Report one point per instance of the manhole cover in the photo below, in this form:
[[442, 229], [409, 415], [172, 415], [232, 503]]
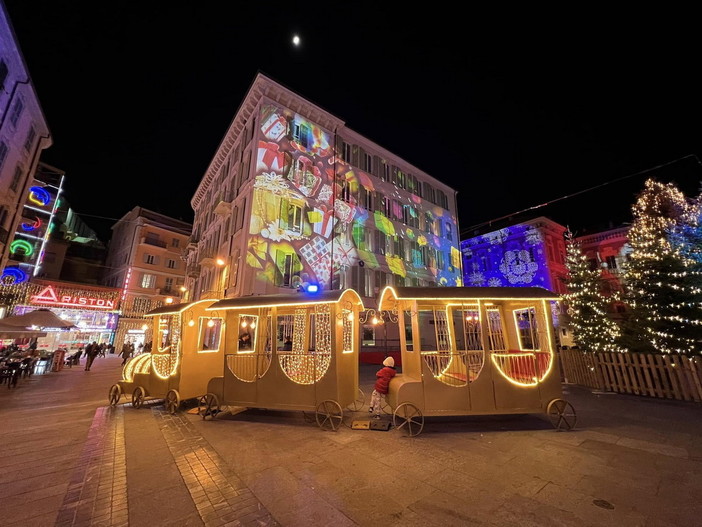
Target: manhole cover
[[604, 504]]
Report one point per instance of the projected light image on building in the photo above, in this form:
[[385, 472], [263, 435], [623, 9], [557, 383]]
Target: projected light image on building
[[526, 254], [316, 218]]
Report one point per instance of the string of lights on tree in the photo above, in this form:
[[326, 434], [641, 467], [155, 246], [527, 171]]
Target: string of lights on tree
[[592, 327], [664, 273]]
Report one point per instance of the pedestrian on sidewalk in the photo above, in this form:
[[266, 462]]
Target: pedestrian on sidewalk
[[126, 352], [382, 384], [93, 352]]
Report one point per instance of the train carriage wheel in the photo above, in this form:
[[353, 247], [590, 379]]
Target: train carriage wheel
[[138, 397], [208, 406], [115, 394], [409, 419], [359, 402], [172, 401], [562, 414], [329, 415]]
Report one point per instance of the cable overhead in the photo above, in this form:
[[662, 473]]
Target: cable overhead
[[478, 225]]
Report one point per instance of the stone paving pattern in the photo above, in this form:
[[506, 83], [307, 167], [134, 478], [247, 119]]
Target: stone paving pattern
[[69, 459]]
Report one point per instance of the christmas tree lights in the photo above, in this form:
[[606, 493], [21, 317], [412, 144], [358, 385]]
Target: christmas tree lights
[[664, 272], [592, 327]]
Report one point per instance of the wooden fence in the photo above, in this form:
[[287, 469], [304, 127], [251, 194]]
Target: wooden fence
[[654, 375]]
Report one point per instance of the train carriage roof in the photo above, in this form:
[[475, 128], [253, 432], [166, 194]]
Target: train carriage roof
[[324, 297], [172, 309], [467, 293]]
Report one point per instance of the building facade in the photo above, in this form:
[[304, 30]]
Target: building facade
[[145, 261], [293, 198], [24, 133], [609, 251], [526, 254], [533, 253], [93, 310]]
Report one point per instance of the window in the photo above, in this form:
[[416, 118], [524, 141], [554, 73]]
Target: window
[[365, 198], [301, 133], [16, 111], [31, 135], [428, 192], [346, 192], [386, 172], [169, 284], [387, 207], [172, 264], [290, 216], [16, 178], [210, 331], [611, 262], [367, 162], [362, 236], [3, 153], [150, 259], [175, 243], [346, 153], [405, 214], [288, 269], [148, 281], [527, 327], [401, 179], [449, 235], [380, 242], [3, 73]]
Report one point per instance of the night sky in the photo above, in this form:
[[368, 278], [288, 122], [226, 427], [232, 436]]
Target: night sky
[[512, 109]]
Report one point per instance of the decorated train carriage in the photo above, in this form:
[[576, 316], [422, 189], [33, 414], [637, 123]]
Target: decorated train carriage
[[290, 352], [186, 354], [474, 350]]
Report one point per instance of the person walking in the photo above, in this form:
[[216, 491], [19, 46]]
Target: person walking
[[126, 352], [92, 353]]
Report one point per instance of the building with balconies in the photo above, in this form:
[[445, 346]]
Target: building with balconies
[[24, 133], [145, 259], [293, 197]]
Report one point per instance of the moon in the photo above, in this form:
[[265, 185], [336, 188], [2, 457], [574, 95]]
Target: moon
[[296, 40]]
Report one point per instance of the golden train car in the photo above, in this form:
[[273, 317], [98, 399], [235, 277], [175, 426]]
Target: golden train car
[[186, 353], [472, 351], [289, 352]]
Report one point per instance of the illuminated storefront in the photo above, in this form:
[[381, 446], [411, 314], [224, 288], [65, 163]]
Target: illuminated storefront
[[92, 309]]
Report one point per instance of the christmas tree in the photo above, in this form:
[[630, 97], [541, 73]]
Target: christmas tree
[[593, 329], [664, 273]]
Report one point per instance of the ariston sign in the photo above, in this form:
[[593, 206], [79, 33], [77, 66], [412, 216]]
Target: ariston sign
[[48, 296]]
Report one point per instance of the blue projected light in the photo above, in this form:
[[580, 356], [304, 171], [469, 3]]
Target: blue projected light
[[312, 288]]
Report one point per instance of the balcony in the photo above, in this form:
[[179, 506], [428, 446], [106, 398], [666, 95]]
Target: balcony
[[193, 271], [169, 291], [223, 208], [155, 242]]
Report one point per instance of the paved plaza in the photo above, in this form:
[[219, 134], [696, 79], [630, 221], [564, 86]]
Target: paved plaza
[[71, 460]]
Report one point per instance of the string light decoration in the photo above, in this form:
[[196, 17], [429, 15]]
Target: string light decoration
[[347, 335], [587, 308], [664, 273], [309, 366]]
